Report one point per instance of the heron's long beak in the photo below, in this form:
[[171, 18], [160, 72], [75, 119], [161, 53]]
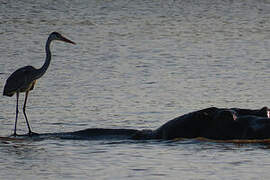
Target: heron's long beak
[[67, 40]]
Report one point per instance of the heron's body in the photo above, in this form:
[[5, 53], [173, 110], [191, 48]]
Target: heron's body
[[25, 78], [20, 81]]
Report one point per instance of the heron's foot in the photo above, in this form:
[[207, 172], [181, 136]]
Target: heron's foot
[[14, 135], [32, 134]]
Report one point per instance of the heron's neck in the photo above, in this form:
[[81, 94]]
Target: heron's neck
[[41, 71]]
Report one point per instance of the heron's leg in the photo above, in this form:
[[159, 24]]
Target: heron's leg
[[24, 106], [17, 112]]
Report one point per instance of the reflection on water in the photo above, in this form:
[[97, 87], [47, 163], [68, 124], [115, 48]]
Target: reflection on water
[[136, 64]]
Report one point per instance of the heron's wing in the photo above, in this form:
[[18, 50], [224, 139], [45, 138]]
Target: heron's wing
[[19, 80]]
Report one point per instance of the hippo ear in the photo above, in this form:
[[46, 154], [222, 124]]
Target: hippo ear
[[264, 112], [234, 116]]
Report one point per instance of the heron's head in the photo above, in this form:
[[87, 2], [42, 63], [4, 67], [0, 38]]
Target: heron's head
[[59, 37]]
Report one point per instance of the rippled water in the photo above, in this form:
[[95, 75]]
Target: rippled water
[[136, 64]]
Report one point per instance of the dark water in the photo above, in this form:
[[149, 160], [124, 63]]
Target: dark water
[[136, 64]]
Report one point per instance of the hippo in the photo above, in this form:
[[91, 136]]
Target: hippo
[[211, 123], [214, 123]]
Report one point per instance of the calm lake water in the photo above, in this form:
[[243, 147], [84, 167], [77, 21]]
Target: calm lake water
[[137, 64]]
